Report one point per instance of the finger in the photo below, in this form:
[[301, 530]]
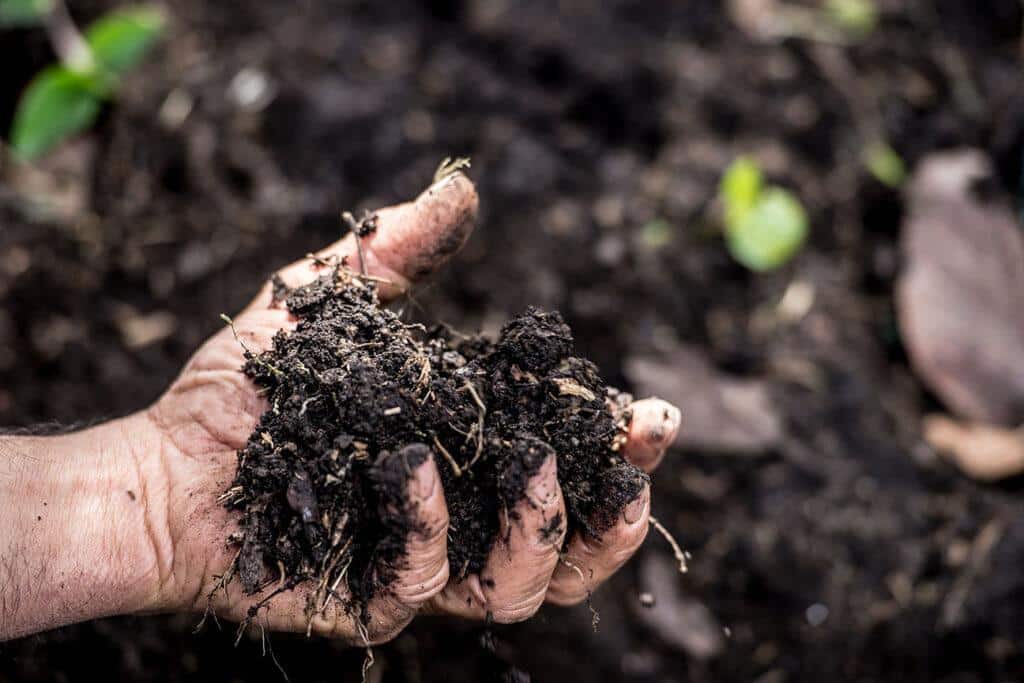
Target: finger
[[423, 570], [417, 515], [514, 581], [588, 561], [652, 430], [411, 240]]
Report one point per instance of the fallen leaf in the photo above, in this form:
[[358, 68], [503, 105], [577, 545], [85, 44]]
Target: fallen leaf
[[982, 452], [720, 412], [961, 295], [683, 622]]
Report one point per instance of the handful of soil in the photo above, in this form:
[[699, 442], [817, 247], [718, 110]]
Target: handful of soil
[[358, 398]]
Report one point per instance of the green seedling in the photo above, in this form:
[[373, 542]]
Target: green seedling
[[884, 164], [856, 18], [765, 226], [23, 12], [65, 98]]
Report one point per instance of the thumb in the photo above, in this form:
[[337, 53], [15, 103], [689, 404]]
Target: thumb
[[410, 240]]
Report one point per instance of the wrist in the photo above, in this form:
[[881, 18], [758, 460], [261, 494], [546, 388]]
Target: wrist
[[77, 538]]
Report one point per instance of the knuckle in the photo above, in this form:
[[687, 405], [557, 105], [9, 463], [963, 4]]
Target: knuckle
[[566, 597], [624, 540], [517, 610], [384, 631], [414, 591], [433, 529]]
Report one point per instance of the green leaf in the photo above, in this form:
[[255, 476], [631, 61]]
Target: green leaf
[[770, 233], [23, 12], [122, 38], [885, 164], [57, 104], [856, 17], [740, 187]]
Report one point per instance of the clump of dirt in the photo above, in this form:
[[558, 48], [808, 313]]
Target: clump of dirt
[[358, 399]]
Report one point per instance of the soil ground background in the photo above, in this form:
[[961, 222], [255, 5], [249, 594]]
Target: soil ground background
[[598, 132]]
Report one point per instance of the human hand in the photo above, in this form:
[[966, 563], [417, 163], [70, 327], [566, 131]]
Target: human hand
[[180, 455]]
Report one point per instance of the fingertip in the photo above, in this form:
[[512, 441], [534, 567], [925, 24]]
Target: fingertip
[[453, 198], [654, 427], [416, 238], [638, 510], [409, 241], [543, 489], [424, 482]]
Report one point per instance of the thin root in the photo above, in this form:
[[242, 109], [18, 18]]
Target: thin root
[[222, 582], [368, 660], [676, 550], [456, 470], [480, 424], [231, 323], [450, 167], [595, 616]]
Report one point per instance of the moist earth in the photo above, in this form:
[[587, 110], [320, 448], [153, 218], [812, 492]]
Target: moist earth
[[586, 128], [358, 399]]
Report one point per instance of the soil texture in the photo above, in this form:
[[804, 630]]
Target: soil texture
[[358, 399]]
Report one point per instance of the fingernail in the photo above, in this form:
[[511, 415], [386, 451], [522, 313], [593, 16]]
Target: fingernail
[[426, 479], [663, 432], [673, 418], [634, 511], [423, 481]]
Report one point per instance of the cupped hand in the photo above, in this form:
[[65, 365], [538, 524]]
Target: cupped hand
[[210, 410]]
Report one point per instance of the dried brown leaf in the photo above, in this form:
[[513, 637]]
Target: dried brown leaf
[[983, 452], [961, 296], [721, 412]]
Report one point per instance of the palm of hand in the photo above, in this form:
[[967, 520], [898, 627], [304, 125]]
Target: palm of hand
[[210, 410]]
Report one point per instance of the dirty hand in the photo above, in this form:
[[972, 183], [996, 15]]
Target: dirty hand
[[128, 513]]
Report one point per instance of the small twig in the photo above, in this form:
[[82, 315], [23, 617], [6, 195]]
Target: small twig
[[981, 551], [677, 551], [360, 229]]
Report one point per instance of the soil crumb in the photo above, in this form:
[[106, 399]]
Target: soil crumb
[[358, 399]]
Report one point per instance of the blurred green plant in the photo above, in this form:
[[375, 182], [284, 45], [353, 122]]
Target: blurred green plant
[[65, 99], [656, 233], [884, 164], [765, 226], [23, 12], [857, 18]]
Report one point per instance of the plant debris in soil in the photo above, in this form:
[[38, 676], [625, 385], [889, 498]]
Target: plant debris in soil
[[358, 399]]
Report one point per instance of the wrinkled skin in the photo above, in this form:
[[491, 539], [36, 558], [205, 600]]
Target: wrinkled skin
[[181, 454]]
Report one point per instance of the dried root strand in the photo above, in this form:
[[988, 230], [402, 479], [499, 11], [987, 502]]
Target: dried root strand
[[676, 550], [595, 616], [450, 166], [481, 414]]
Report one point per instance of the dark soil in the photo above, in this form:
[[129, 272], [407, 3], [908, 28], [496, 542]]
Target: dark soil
[[584, 124], [358, 399]]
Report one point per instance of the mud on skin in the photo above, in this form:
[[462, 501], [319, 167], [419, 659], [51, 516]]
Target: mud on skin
[[358, 399]]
